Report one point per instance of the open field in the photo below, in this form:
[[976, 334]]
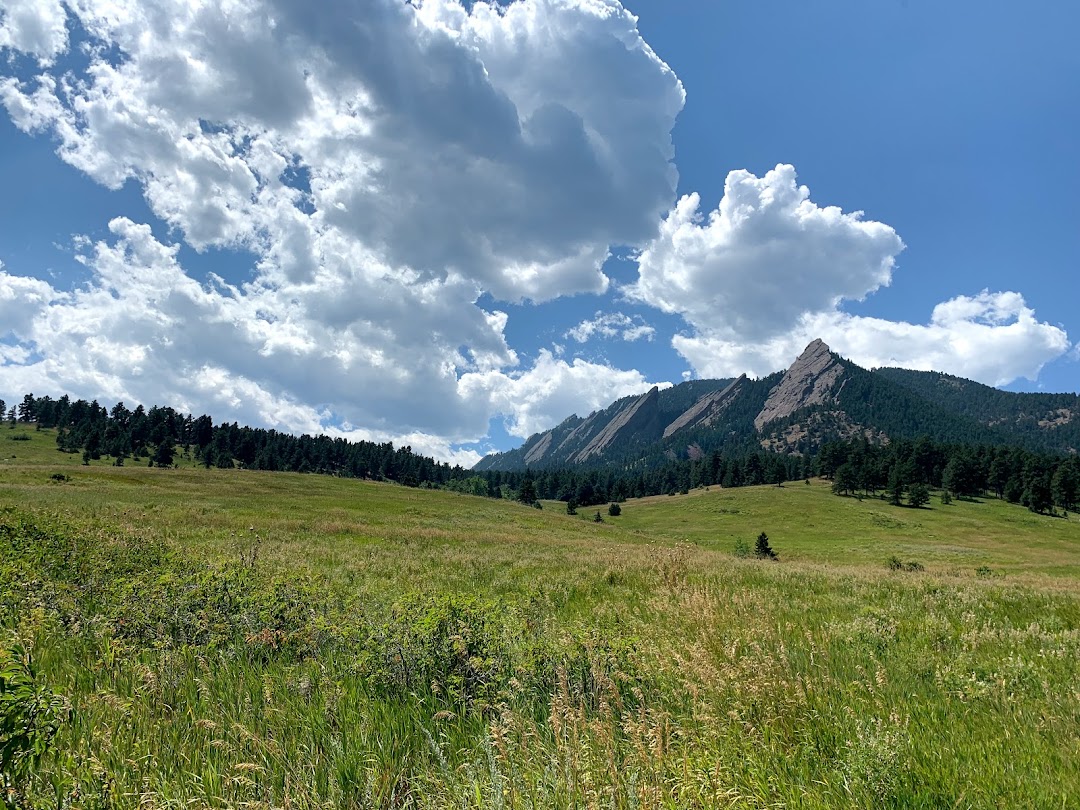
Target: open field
[[231, 638]]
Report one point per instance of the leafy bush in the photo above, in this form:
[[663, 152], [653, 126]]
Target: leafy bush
[[456, 647], [30, 717], [614, 510]]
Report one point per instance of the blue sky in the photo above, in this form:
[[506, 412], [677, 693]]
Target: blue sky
[[452, 227]]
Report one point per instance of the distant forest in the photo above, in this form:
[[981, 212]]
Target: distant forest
[[902, 468]]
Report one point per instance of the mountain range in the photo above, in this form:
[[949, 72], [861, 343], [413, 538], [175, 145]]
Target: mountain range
[[822, 396]]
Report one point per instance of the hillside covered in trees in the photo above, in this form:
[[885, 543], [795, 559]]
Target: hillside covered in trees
[[159, 436], [155, 436]]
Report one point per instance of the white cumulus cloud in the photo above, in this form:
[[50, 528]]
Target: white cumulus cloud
[[383, 163], [509, 145], [550, 391], [768, 271], [765, 256], [35, 27], [993, 338]]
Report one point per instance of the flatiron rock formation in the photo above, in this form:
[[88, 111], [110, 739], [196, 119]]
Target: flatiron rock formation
[[809, 381]]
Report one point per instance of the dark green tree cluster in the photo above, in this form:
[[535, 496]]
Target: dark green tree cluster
[[159, 434], [1018, 419], [906, 469], [610, 484]]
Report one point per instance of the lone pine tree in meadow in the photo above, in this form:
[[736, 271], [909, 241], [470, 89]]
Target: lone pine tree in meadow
[[762, 548]]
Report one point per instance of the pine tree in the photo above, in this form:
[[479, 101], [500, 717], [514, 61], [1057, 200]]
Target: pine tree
[[527, 493], [762, 548], [164, 454], [918, 495], [896, 486], [1065, 485], [844, 482]]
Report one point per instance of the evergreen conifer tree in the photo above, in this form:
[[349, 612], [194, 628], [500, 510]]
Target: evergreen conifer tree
[[918, 495], [762, 548]]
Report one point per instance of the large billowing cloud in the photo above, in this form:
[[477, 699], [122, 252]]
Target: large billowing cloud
[[264, 355], [768, 271], [384, 163], [508, 145], [766, 255]]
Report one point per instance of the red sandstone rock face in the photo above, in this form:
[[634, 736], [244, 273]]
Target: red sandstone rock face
[[810, 381]]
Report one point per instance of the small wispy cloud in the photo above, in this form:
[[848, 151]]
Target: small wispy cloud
[[610, 325]]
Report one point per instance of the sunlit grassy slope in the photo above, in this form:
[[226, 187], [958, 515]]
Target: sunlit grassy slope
[[234, 638]]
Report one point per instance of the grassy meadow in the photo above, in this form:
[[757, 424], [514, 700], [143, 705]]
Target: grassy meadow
[[227, 638]]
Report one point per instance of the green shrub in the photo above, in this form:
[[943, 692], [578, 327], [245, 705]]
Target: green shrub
[[895, 564], [456, 647], [30, 717]]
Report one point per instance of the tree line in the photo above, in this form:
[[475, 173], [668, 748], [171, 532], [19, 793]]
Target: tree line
[[613, 484], [902, 468], [906, 468], [158, 434]]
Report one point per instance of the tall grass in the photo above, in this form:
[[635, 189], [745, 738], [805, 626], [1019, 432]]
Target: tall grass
[[322, 643]]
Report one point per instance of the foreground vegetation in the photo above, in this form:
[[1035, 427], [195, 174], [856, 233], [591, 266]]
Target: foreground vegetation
[[225, 638]]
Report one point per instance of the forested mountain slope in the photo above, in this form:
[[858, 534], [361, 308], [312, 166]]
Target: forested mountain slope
[[822, 396]]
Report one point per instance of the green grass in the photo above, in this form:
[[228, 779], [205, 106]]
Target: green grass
[[232, 638], [810, 524]]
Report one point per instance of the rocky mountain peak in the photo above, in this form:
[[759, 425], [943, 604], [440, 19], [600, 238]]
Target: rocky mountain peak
[[809, 381]]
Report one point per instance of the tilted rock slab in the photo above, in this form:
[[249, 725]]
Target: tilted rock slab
[[708, 409], [809, 381]]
